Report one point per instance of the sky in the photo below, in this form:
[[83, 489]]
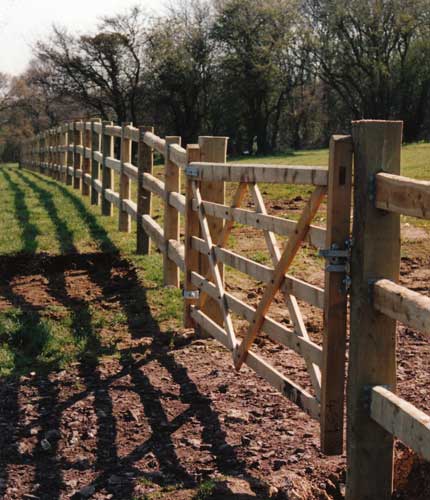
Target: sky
[[22, 22]]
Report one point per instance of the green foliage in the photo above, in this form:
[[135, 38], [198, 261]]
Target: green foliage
[[205, 490]]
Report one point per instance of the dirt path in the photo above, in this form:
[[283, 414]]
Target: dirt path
[[164, 416]]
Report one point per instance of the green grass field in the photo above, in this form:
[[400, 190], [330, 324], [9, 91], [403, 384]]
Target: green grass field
[[41, 216]]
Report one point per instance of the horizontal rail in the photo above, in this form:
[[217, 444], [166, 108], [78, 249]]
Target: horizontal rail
[[311, 294], [155, 142], [176, 252], [97, 127], [112, 196], [97, 185], [316, 235], [130, 170], [177, 200], [113, 163], [177, 155], [281, 383], [98, 157], [131, 133], [113, 130], [402, 419], [403, 195], [130, 207], [279, 174], [274, 330], [402, 304], [154, 231], [151, 183]]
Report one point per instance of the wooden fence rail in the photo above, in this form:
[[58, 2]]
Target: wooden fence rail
[[86, 155]]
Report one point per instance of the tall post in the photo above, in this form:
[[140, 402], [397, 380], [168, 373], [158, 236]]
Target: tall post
[[95, 166], [86, 161], [124, 219], [192, 228], [171, 215], [145, 164], [107, 174], [69, 159], [372, 358], [49, 152], [77, 160], [335, 296], [213, 149], [63, 153]]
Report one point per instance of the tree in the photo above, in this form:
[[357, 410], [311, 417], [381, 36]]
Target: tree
[[180, 65], [259, 62], [363, 51], [101, 71]]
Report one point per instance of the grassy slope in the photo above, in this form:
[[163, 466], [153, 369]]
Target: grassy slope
[[40, 215]]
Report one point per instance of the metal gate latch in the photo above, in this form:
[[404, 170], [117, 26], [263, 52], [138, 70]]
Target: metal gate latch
[[190, 294], [192, 171], [338, 260]]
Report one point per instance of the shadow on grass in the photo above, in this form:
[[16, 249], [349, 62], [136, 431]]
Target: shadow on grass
[[97, 231], [118, 281], [22, 213]]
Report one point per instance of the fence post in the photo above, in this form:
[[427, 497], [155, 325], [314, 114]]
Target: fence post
[[172, 178], [107, 174], [144, 198], [77, 160], [192, 228], [95, 166], [213, 149], [49, 152], [335, 297], [372, 358], [86, 165], [124, 218], [62, 155], [69, 158]]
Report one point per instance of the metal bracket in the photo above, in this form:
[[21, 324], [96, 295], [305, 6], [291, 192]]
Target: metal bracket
[[338, 261], [192, 171], [191, 294]]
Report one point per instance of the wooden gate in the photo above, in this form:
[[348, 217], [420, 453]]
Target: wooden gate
[[326, 364]]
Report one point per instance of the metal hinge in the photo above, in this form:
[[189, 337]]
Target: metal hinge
[[192, 171], [338, 261], [191, 294]]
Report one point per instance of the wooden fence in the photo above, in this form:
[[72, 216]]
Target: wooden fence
[[375, 412], [83, 154]]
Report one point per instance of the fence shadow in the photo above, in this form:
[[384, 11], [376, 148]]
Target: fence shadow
[[29, 230], [132, 297]]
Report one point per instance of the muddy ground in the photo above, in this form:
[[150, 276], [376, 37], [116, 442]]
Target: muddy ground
[[166, 416]]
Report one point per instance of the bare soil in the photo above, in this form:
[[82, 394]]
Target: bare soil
[[165, 413]]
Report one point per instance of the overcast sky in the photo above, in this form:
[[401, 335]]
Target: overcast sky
[[22, 22]]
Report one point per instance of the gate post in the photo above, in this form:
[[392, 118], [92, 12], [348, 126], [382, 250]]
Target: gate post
[[335, 297], [372, 359], [214, 150], [192, 228]]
